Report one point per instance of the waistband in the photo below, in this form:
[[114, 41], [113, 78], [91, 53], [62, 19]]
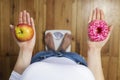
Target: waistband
[[71, 55]]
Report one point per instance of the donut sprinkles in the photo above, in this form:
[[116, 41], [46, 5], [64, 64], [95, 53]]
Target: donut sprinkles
[[98, 30]]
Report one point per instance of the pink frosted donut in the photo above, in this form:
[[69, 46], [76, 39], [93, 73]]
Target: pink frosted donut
[[98, 30]]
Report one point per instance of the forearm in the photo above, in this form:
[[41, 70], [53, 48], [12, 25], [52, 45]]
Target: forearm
[[23, 60], [94, 63]]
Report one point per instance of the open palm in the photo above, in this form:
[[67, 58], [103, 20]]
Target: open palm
[[98, 14], [24, 18]]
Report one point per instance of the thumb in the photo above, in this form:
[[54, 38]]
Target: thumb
[[12, 29], [110, 29]]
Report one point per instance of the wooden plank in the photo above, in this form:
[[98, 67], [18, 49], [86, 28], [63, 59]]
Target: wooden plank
[[1, 68], [6, 66], [105, 63], [40, 22], [0, 25], [79, 26], [63, 14], [113, 68], [119, 59], [50, 14], [118, 73], [82, 21], [4, 26], [114, 47], [118, 14], [73, 24]]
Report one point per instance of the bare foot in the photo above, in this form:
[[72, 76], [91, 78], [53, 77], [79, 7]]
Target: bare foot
[[66, 42], [49, 41]]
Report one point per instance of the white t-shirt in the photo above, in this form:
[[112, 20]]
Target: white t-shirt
[[54, 68]]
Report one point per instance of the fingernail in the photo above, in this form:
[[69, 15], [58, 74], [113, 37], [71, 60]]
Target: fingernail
[[24, 10], [11, 26], [89, 21]]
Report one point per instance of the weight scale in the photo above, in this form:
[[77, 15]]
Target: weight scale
[[58, 36]]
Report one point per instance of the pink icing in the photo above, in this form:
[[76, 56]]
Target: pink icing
[[98, 30]]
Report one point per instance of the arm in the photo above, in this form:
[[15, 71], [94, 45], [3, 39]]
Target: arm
[[94, 49], [23, 60], [26, 48], [94, 63]]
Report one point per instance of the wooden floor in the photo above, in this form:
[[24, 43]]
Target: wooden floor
[[60, 14]]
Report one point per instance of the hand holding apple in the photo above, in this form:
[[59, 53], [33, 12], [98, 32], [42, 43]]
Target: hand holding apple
[[25, 36], [24, 33]]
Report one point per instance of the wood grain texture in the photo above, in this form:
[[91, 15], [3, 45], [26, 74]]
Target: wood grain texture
[[118, 70], [6, 66], [60, 14], [4, 27]]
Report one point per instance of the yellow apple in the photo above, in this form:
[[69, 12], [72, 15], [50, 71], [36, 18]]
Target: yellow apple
[[24, 32]]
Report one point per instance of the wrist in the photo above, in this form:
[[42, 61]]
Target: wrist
[[26, 50], [94, 51], [23, 60], [94, 48], [25, 56]]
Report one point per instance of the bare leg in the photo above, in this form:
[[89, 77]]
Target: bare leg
[[49, 41], [66, 42]]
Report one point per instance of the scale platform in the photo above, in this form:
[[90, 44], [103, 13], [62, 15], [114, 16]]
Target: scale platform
[[58, 36]]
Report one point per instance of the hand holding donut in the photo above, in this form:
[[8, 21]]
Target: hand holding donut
[[98, 30]]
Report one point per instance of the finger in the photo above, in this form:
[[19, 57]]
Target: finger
[[32, 23], [94, 15], [97, 14], [111, 28], [24, 17], [20, 18], [90, 18], [28, 18], [71, 37], [102, 17], [12, 29]]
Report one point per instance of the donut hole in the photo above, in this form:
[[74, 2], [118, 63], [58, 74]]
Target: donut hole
[[99, 30]]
